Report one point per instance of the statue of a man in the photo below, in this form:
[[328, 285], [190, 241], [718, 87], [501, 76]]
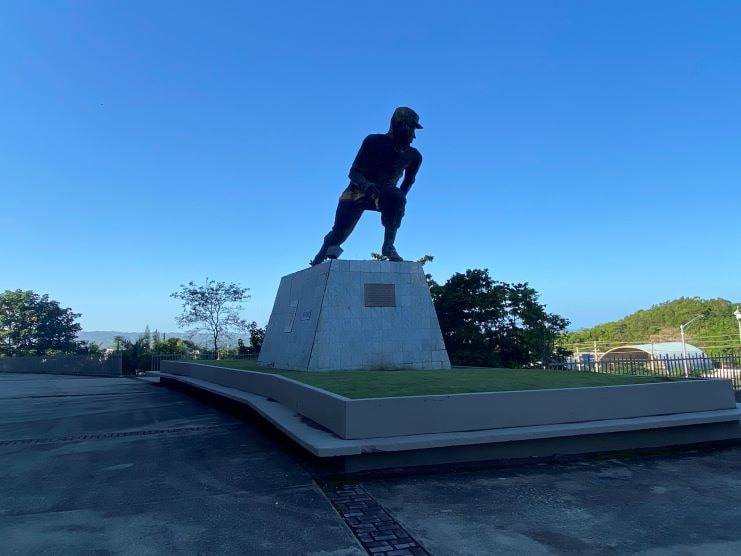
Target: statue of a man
[[380, 162]]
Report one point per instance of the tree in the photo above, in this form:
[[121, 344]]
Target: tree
[[241, 348], [494, 324], [257, 336], [212, 308], [33, 324], [147, 338], [135, 355], [174, 346], [120, 342], [89, 348], [423, 260]]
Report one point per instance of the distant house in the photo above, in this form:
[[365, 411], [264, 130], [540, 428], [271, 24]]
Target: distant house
[[667, 355]]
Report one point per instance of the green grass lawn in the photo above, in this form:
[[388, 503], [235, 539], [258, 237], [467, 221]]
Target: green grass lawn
[[387, 384]]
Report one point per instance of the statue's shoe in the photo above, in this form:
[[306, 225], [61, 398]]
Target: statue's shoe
[[389, 251], [331, 252]]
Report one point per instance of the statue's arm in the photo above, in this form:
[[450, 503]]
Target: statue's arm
[[410, 174], [357, 175]]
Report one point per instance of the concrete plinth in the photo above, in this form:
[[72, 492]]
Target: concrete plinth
[[350, 315]]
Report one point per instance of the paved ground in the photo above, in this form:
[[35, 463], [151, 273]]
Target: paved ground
[[119, 466], [688, 505]]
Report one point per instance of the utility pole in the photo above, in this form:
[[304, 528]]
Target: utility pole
[[684, 344], [595, 356]]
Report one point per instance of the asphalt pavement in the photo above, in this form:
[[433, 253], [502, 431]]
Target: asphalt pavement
[[121, 466]]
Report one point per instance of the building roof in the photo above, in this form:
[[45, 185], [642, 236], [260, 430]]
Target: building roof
[[658, 349]]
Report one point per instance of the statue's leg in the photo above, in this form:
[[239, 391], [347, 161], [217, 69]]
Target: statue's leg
[[345, 219], [392, 204], [388, 250]]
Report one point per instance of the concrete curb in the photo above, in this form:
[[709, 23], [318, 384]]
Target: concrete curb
[[415, 415], [545, 440]]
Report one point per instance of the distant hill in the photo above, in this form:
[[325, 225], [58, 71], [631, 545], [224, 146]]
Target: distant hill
[[716, 331], [104, 338]]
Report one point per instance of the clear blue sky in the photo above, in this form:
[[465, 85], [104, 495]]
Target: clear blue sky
[[591, 149]]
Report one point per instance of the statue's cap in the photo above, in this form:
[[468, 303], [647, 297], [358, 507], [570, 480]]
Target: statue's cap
[[405, 114]]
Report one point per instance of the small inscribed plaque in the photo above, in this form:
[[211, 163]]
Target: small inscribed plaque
[[291, 316], [306, 315], [380, 295]]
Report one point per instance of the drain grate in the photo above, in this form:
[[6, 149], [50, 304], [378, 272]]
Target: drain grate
[[378, 532], [107, 435]]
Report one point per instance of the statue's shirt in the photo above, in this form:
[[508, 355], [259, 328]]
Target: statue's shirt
[[381, 163]]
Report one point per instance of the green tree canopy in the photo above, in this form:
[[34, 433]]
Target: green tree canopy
[[137, 354], [174, 345], [213, 308], [33, 324], [494, 324], [716, 332], [257, 337]]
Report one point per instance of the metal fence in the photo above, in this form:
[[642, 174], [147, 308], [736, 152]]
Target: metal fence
[[200, 356], [677, 366], [673, 366], [86, 365]]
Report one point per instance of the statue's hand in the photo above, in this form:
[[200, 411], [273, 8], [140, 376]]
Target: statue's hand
[[372, 190]]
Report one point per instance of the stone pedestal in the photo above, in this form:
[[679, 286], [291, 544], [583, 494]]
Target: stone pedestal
[[349, 315]]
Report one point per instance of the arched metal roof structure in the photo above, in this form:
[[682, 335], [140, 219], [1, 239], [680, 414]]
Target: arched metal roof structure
[[654, 351], [669, 355]]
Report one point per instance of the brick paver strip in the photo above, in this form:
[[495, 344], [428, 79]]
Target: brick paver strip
[[378, 532]]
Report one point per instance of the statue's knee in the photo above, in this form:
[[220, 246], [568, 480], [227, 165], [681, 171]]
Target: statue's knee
[[392, 221]]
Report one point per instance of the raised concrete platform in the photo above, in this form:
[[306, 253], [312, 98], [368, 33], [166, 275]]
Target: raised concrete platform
[[421, 430], [349, 315]]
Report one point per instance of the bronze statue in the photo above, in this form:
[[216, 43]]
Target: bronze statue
[[380, 162]]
